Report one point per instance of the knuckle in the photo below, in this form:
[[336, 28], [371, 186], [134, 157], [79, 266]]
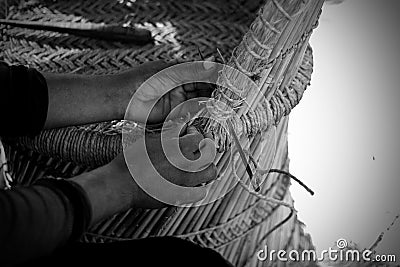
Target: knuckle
[[211, 172], [195, 138]]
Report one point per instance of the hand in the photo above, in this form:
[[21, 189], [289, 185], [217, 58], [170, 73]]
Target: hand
[[81, 99], [112, 189], [168, 88]]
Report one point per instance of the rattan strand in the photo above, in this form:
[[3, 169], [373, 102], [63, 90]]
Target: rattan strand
[[81, 148]]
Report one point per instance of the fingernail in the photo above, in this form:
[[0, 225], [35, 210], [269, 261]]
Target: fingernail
[[208, 64]]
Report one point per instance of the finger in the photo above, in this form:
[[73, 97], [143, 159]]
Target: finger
[[209, 64], [204, 89], [186, 109], [208, 71], [189, 87], [190, 95], [174, 132], [208, 152], [192, 130], [195, 72], [192, 196], [208, 135], [201, 158], [205, 176], [177, 75], [190, 143], [183, 130], [198, 89]]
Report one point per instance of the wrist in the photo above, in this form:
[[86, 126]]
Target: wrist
[[106, 193], [125, 85]]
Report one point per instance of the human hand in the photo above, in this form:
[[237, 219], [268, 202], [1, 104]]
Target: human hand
[[170, 169], [153, 101], [112, 189], [81, 99]]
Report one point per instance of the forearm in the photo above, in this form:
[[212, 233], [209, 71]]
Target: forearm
[[108, 191], [82, 99]]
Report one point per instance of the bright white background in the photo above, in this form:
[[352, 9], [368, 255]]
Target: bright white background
[[349, 115]]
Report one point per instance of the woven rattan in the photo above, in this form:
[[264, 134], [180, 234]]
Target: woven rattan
[[280, 63]]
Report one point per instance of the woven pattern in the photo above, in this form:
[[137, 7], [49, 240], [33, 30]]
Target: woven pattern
[[180, 28]]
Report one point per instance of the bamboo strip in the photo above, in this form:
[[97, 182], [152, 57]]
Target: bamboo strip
[[275, 73], [253, 246], [168, 229], [258, 245], [130, 225], [121, 229], [241, 189], [143, 224], [210, 210], [234, 248], [252, 198], [268, 13], [117, 221], [172, 222], [305, 26], [242, 203], [152, 223], [287, 37], [170, 212], [263, 228], [131, 231], [247, 243], [103, 225], [276, 76], [224, 185], [280, 196], [242, 48], [227, 201], [236, 192], [279, 237], [268, 146], [232, 181]]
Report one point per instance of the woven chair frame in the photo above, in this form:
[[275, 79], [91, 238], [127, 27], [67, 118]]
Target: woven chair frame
[[234, 225]]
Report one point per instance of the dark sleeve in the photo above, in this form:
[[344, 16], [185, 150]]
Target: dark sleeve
[[23, 100], [36, 220]]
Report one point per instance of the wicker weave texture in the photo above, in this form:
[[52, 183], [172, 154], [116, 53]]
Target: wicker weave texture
[[236, 223]]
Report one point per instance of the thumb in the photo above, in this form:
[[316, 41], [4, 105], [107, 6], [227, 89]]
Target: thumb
[[193, 196], [177, 75], [199, 71], [189, 72]]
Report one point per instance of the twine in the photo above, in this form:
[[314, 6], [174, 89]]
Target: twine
[[96, 145], [259, 172], [278, 105], [380, 237]]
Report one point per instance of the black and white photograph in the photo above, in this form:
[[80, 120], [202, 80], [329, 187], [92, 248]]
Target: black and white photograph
[[199, 133]]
